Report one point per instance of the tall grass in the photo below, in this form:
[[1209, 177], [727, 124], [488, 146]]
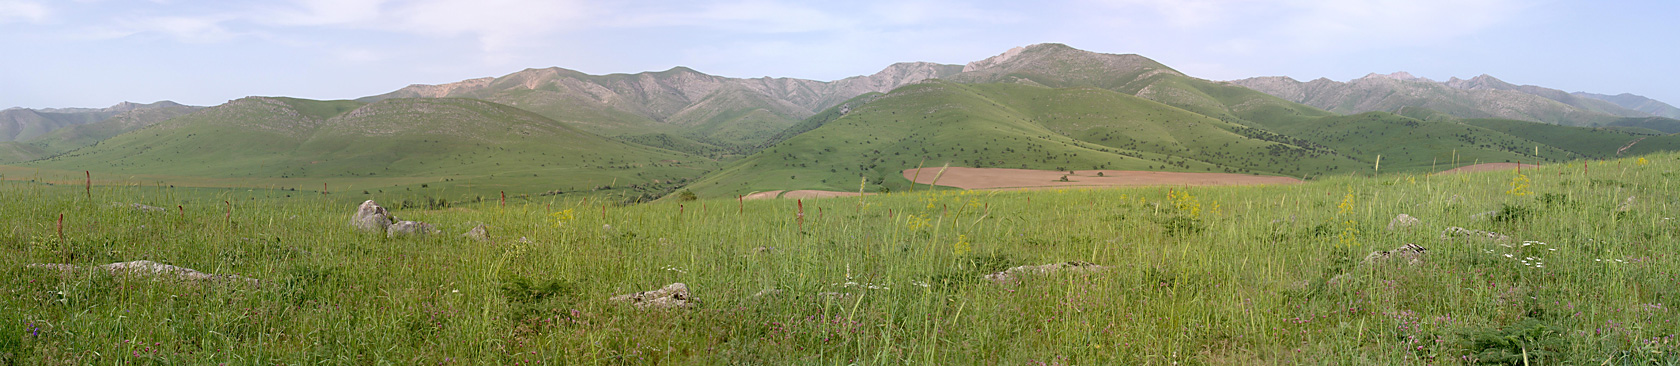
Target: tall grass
[[1214, 275]]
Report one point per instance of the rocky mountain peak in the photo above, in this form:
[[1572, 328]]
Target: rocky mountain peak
[[1398, 75], [994, 60], [1480, 82]]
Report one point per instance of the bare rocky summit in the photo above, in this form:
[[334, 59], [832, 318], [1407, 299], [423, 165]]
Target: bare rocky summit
[[1480, 97]]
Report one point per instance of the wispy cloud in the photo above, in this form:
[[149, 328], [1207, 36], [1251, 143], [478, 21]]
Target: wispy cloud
[[23, 11], [1313, 25]]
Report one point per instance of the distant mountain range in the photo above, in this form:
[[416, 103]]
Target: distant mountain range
[[644, 135], [1479, 97], [680, 102], [1051, 106]]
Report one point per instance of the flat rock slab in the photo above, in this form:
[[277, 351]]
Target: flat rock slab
[[1016, 273], [1455, 232], [1410, 254], [410, 228], [669, 297], [149, 269]]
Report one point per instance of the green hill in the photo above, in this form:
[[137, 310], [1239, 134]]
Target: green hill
[[470, 145], [1008, 126], [732, 115], [74, 137]]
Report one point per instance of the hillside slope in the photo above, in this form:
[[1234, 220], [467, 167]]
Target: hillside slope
[[77, 136], [21, 124], [730, 112], [1480, 97], [1007, 126], [448, 141]]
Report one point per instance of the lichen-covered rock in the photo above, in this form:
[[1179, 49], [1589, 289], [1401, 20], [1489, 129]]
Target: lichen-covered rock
[[410, 228], [1014, 274], [148, 268], [1455, 232], [1403, 221], [479, 233], [1410, 254], [671, 296], [371, 218]]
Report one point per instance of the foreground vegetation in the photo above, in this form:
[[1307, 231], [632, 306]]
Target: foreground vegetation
[[1218, 275]]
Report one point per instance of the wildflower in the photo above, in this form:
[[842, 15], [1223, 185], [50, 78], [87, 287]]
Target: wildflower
[[1519, 186], [560, 218]]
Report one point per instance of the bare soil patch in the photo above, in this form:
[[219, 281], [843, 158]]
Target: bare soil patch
[[1486, 167], [809, 193], [762, 195], [995, 178]]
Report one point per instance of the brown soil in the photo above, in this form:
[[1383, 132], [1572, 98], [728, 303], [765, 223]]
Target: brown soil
[[1486, 167], [817, 194], [762, 195], [993, 178]]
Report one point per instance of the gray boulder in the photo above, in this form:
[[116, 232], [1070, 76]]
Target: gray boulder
[[371, 218]]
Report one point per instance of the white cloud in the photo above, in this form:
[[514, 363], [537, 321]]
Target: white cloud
[[1307, 25], [190, 29], [26, 11]]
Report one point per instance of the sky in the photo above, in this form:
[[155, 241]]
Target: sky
[[96, 53]]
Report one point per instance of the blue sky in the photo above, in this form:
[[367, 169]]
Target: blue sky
[[87, 53]]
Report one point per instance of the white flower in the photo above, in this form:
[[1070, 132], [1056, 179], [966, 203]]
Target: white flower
[[1508, 256]]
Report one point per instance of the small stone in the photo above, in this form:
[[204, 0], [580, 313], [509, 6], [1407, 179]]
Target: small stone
[[671, 296], [410, 228], [479, 233], [1402, 221]]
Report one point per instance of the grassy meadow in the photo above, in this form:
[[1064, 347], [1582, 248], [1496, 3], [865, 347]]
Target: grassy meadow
[[1206, 275]]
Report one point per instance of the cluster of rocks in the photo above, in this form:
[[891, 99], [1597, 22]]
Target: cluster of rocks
[[370, 217]]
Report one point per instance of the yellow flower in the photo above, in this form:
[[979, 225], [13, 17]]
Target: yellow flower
[[1347, 203], [962, 247], [560, 218], [1642, 162], [1519, 186]]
